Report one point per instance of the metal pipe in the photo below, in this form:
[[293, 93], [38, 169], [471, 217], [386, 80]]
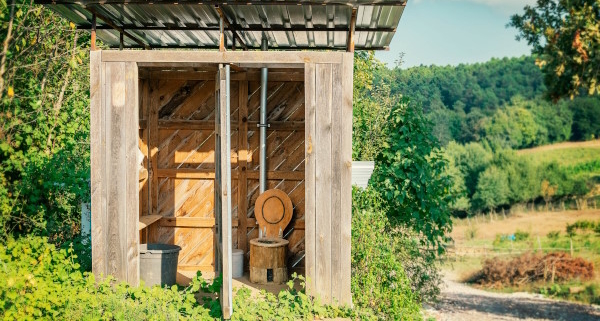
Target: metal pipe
[[263, 122]]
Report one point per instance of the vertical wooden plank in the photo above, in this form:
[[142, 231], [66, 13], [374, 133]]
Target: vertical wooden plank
[[115, 157], [132, 194], [336, 181], [323, 180], [98, 219], [242, 166], [310, 172], [226, 225], [153, 142], [346, 178]]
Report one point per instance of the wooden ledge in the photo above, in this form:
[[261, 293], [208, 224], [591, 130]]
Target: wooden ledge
[[147, 220]]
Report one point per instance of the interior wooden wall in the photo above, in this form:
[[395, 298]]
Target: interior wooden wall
[[177, 137]]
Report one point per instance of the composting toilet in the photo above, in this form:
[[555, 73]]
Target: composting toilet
[[273, 211]]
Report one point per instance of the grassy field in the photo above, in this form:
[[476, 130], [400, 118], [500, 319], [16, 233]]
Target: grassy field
[[477, 239]]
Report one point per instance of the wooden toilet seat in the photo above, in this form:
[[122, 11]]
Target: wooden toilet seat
[[273, 211]]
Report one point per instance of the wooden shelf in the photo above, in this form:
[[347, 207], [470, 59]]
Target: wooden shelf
[[147, 220]]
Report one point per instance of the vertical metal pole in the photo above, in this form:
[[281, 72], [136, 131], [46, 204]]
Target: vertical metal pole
[[93, 38], [263, 121], [121, 41]]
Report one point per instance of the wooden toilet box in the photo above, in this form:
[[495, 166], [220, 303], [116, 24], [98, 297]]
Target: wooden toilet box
[[267, 260]]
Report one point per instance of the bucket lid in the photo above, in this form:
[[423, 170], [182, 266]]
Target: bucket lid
[[158, 248]]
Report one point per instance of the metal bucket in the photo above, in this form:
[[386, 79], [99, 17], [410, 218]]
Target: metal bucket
[[158, 264]]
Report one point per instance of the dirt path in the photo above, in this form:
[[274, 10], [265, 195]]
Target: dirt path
[[463, 303]]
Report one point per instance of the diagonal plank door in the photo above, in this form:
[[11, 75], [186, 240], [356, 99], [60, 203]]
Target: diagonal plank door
[[223, 186]]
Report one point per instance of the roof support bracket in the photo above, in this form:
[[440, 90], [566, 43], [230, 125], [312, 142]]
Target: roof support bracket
[[93, 37], [233, 29], [350, 44], [119, 29]]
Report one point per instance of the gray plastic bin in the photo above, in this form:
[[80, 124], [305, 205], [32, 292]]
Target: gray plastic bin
[[158, 264]]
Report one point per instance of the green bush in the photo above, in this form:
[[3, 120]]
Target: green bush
[[289, 304], [40, 282], [411, 175], [553, 235], [521, 235], [390, 274], [37, 281]]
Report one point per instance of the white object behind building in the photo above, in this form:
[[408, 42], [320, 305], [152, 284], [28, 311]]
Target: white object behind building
[[361, 173]]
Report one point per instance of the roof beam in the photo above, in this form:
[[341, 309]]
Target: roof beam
[[355, 3], [239, 28], [297, 48]]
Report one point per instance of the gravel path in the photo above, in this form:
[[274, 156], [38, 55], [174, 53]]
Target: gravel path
[[463, 303]]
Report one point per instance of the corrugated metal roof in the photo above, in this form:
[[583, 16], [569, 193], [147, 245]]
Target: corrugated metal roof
[[288, 24], [361, 173]]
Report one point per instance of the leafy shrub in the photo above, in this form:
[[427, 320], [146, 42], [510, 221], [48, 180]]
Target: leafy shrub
[[289, 304], [553, 235], [521, 235], [390, 272], [582, 225], [37, 281], [411, 176], [379, 281]]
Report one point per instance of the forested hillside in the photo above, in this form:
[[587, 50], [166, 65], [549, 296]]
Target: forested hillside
[[500, 102], [481, 114]]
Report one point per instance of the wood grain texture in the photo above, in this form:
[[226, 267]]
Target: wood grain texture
[[97, 174], [323, 180], [131, 120], [153, 156], [225, 191], [310, 183], [115, 157], [336, 182], [242, 197], [256, 59], [346, 180], [120, 174]]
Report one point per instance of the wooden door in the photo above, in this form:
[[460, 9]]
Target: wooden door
[[223, 186]]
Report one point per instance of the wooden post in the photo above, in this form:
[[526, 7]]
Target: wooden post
[[221, 32], [350, 44], [93, 36], [242, 166]]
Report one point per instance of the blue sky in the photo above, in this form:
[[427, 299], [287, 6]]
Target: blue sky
[[450, 32]]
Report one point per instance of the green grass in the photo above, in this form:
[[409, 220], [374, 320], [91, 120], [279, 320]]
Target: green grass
[[566, 156]]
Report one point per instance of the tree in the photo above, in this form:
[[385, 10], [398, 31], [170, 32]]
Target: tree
[[492, 189], [44, 122], [564, 34], [371, 105], [410, 175], [586, 118], [548, 191]]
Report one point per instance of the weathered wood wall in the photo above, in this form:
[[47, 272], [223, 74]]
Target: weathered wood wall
[[328, 179], [114, 169], [179, 123]]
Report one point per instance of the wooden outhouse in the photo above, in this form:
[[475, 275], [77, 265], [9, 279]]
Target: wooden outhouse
[[195, 116]]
